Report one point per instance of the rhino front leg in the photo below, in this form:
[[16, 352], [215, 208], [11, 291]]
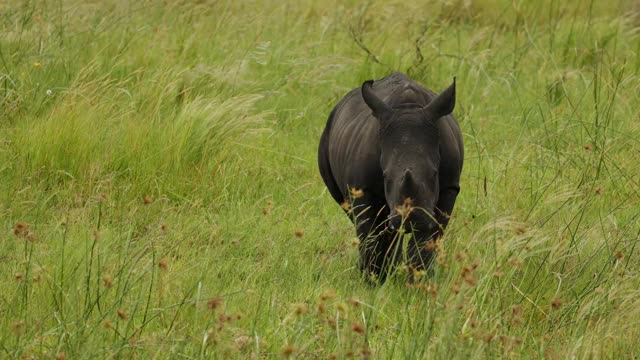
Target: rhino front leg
[[421, 247], [375, 239]]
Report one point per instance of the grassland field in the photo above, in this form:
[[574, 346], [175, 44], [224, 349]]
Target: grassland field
[[160, 198]]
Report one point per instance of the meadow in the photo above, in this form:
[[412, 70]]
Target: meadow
[[160, 198]]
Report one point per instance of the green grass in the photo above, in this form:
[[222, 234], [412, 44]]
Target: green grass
[[160, 198]]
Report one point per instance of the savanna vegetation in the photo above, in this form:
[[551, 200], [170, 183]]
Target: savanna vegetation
[[159, 193]]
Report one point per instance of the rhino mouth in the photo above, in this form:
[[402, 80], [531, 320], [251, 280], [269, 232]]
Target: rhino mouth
[[415, 220]]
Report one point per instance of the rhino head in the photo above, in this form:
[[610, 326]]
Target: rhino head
[[410, 158]]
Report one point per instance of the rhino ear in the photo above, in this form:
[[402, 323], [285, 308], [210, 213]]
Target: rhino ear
[[376, 105], [444, 103]]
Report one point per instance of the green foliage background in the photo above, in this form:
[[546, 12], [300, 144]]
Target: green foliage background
[[159, 194]]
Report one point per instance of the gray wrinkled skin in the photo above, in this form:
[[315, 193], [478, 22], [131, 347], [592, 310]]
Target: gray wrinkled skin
[[391, 154]]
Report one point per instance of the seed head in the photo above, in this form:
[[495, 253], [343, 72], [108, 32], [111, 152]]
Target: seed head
[[327, 295], [300, 309], [332, 322], [18, 326], [354, 242], [163, 264], [107, 281], [515, 262], [214, 303], [108, 324], [147, 200], [299, 234], [321, 308], [356, 193], [21, 229], [366, 353], [430, 245], [242, 342], [357, 327], [587, 147], [619, 255], [61, 356], [556, 303], [288, 350], [455, 288], [122, 314], [346, 205], [406, 208]]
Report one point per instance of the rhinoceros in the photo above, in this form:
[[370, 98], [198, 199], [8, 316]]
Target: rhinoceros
[[391, 155]]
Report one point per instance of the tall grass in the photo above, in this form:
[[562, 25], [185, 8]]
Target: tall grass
[[159, 194]]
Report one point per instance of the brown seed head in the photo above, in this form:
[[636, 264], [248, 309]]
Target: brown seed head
[[107, 280], [327, 295], [356, 193], [587, 147], [455, 288], [354, 302], [299, 233], [342, 307], [61, 356], [556, 303], [18, 326], [366, 353], [300, 309], [515, 262], [288, 350], [163, 227], [21, 229], [357, 327], [332, 322], [18, 276], [122, 314], [322, 308], [108, 324], [163, 264], [214, 303], [430, 245], [242, 342], [147, 200], [406, 208], [488, 338], [619, 255], [346, 205]]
